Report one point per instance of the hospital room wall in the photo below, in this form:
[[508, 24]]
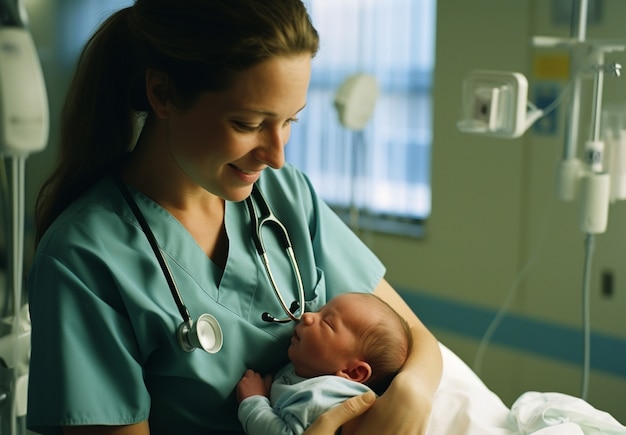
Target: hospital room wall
[[59, 36], [495, 208]]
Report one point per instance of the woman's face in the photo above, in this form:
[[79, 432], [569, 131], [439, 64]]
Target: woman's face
[[225, 140]]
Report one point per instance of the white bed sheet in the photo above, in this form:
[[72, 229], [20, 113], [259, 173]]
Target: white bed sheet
[[463, 405]]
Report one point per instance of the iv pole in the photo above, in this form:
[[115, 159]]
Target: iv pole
[[24, 125], [595, 181], [587, 59]]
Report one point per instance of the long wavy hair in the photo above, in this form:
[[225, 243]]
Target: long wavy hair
[[199, 44]]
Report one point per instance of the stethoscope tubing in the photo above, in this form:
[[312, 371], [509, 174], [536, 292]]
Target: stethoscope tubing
[[167, 273], [188, 335], [257, 222]]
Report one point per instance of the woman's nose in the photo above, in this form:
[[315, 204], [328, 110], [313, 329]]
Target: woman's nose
[[272, 150]]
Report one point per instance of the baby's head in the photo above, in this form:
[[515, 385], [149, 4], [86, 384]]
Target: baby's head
[[357, 336]]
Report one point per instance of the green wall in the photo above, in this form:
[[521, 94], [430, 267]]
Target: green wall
[[495, 206]]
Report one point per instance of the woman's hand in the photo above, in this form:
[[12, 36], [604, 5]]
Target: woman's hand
[[404, 409], [406, 406], [330, 421]]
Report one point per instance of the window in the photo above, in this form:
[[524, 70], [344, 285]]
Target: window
[[383, 172], [79, 19]]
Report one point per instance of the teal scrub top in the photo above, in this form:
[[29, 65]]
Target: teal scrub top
[[104, 344]]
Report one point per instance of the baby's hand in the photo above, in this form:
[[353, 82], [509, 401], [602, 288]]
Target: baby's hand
[[252, 384]]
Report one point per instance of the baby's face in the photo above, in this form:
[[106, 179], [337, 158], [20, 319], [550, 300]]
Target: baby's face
[[325, 342]]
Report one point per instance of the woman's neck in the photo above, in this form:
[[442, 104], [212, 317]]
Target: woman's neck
[[152, 170]]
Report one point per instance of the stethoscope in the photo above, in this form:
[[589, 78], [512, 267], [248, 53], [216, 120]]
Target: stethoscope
[[206, 332], [296, 310]]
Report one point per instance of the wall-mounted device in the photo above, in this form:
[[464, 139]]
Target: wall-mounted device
[[24, 128], [23, 100], [355, 100], [495, 103]]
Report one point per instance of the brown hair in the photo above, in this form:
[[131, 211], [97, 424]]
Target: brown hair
[[199, 44], [385, 344]]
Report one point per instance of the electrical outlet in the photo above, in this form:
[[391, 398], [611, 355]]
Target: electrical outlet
[[607, 284]]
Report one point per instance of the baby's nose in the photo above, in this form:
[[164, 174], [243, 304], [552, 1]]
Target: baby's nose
[[307, 318]]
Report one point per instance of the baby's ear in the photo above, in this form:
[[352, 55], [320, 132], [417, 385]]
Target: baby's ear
[[358, 371]]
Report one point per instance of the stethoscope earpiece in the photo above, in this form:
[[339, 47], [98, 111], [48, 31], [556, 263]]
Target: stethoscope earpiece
[[295, 305], [205, 333]]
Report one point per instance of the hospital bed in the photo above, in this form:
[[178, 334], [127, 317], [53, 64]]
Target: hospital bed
[[463, 404]]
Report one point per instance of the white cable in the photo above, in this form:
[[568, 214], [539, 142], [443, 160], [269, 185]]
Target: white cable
[[491, 329], [550, 107], [534, 113], [486, 339], [589, 248]]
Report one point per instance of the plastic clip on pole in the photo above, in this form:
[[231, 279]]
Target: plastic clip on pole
[[594, 211], [595, 191], [618, 167]]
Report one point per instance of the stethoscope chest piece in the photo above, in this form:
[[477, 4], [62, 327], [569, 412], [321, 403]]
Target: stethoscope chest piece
[[205, 333]]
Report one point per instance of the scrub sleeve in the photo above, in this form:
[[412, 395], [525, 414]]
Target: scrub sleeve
[[104, 345]]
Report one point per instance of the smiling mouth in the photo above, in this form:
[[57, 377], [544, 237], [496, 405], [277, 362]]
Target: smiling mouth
[[243, 171]]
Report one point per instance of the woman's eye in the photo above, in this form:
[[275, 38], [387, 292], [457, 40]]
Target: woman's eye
[[247, 127]]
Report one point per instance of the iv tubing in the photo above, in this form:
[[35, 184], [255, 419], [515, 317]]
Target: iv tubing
[[512, 292], [18, 164], [502, 312], [589, 247]]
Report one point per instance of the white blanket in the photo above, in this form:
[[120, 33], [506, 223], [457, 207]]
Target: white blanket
[[548, 413], [463, 405]]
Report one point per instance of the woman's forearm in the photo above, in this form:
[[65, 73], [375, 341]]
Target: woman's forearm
[[424, 364], [132, 429]]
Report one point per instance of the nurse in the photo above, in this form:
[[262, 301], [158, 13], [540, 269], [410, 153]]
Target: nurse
[[217, 85]]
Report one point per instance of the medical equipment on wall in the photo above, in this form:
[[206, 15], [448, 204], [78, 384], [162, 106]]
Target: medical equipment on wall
[[355, 101], [495, 103], [206, 332], [24, 129]]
